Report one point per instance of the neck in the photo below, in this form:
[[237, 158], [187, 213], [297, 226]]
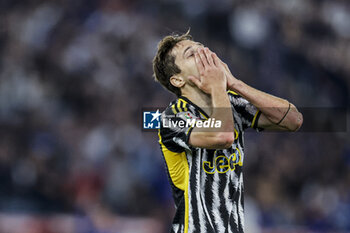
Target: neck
[[199, 98]]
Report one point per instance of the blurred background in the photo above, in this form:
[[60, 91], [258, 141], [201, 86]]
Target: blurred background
[[74, 76]]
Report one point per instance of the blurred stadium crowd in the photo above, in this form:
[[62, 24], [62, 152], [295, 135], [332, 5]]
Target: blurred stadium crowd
[[74, 76]]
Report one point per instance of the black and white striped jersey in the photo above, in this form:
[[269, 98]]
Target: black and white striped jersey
[[207, 185]]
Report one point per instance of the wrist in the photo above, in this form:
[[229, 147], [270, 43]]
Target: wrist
[[236, 85], [217, 90], [220, 99]]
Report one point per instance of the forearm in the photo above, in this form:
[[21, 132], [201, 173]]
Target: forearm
[[222, 110], [274, 108], [216, 138]]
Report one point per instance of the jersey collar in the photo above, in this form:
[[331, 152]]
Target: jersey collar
[[195, 106]]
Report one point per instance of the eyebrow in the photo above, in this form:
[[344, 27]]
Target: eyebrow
[[189, 47]]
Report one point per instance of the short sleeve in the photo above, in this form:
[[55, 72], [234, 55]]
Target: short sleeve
[[174, 133], [247, 112]]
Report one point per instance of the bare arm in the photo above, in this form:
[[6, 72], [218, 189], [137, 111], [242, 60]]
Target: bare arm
[[212, 81], [277, 113]]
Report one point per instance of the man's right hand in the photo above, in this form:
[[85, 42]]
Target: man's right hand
[[212, 80], [211, 75]]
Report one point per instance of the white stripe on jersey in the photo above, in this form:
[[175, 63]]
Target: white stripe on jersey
[[191, 227], [181, 143], [228, 202], [202, 218], [216, 204], [176, 227], [240, 207], [235, 215]]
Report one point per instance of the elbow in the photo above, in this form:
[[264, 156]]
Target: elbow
[[296, 122], [225, 140]]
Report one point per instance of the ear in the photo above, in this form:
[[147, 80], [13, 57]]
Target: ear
[[177, 81]]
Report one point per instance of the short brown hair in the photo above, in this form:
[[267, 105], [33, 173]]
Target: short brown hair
[[164, 62]]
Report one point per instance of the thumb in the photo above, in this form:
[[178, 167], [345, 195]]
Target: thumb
[[195, 80]]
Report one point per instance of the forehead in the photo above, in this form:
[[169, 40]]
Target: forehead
[[181, 46]]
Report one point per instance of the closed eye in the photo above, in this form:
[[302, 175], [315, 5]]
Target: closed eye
[[191, 50], [190, 54]]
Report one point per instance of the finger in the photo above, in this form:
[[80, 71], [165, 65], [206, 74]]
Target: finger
[[195, 80], [216, 60], [220, 62], [199, 63], [208, 56], [225, 66], [203, 57]]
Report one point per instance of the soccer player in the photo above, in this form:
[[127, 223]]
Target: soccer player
[[204, 167]]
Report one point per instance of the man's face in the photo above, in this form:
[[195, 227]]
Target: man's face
[[184, 57]]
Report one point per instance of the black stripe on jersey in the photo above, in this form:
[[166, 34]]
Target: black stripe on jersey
[[245, 114], [235, 228], [208, 222], [184, 106], [239, 227], [193, 188], [209, 179], [238, 169], [173, 109], [170, 144], [208, 191], [222, 208], [241, 141], [176, 108], [179, 217]]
